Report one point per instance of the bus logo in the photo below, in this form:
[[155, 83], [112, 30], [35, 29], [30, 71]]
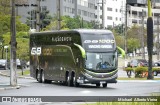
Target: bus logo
[[36, 51]]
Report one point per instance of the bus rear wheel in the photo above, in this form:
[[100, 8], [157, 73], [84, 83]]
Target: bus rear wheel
[[68, 81], [39, 76], [98, 84], [43, 78]]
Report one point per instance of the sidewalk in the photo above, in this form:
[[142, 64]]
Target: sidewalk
[[5, 85]]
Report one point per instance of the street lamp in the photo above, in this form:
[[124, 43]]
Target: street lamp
[[6, 47]]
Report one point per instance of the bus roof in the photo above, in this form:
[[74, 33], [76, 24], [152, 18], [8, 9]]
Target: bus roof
[[99, 31], [92, 31]]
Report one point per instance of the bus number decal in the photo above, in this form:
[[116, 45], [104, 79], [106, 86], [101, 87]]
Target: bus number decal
[[36, 51]]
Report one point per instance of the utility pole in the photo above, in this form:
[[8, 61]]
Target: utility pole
[[103, 16], [38, 16], [150, 40], [13, 66], [158, 46], [59, 14], [125, 35], [75, 6], [142, 34]]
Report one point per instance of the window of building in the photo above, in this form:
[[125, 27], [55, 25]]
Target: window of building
[[70, 1], [100, 16], [116, 10], [109, 9], [96, 16], [84, 13], [79, 12], [96, 7], [91, 5], [116, 19], [101, 8], [109, 17], [43, 8]]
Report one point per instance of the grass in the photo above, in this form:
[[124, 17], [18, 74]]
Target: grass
[[124, 103], [25, 72], [125, 78]]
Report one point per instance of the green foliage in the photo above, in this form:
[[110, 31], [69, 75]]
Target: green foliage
[[71, 23], [5, 24], [133, 44], [128, 69], [141, 69], [134, 38], [20, 26], [4, 7], [119, 39], [155, 69], [22, 44]]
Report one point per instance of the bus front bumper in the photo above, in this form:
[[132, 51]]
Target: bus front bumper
[[90, 77]]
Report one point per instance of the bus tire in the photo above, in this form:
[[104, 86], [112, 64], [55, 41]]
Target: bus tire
[[43, 79], [39, 76], [67, 79], [75, 82], [68, 82], [104, 85], [72, 80], [98, 84]]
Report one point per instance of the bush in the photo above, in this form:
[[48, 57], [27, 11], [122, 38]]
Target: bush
[[155, 69], [139, 72], [141, 69]]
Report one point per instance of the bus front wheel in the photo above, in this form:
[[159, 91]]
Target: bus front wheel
[[104, 85], [75, 82]]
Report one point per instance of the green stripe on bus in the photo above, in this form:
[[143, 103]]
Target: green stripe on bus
[[122, 51], [81, 49]]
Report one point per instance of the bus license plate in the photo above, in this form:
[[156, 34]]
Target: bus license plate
[[102, 82]]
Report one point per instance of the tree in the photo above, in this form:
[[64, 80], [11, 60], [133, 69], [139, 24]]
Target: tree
[[133, 44], [71, 23], [134, 34], [22, 44], [5, 7]]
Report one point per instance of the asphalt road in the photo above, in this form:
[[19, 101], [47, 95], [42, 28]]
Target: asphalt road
[[30, 87]]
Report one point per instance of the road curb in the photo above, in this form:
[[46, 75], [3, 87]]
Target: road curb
[[17, 76], [10, 87]]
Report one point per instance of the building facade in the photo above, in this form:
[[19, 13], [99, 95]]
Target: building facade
[[114, 12], [137, 10], [83, 8]]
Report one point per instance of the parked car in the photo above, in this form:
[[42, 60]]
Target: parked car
[[28, 63], [4, 64], [20, 64], [156, 64], [138, 62]]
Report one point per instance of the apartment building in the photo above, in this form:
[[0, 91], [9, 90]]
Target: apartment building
[[83, 8], [114, 12], [137, 9]]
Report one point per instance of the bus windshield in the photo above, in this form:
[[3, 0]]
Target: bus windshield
[[101, 61]]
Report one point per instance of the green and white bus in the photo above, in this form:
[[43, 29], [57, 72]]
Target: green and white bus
[[74, 57]]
